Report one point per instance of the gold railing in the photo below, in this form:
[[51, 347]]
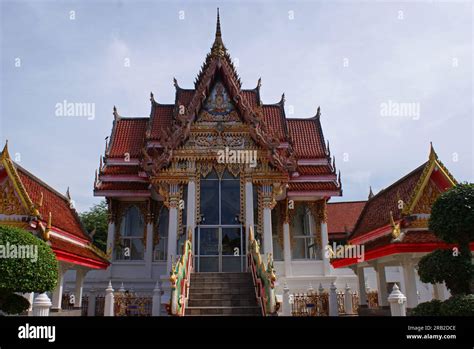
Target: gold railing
[[180, 277], [310, 304]]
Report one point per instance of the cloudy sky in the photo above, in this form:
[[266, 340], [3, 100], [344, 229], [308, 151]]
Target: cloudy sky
[[358, 60]]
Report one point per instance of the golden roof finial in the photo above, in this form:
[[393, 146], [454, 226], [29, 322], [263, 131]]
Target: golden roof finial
[[218, 48], [46, 233], [433, 155], [40, 200], [68, 194], [5, 153]]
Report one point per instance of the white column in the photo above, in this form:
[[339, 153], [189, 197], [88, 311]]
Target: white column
[[191, 209], [362, 289], [157, 292], [58, 291], [267, 229], [287, 248], [440, 292], [410, 284], [381, 285], [149, 247], [173, 225], [333, 308], [110, 244], [249, 219], [80, 274], [325, 242], [348, 300]]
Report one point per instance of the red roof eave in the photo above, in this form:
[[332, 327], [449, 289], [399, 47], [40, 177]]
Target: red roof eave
[[75, 259], [391, 249]]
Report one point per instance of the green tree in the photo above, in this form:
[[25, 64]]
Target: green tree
[[96, 219], [452, 220], [39, 273]]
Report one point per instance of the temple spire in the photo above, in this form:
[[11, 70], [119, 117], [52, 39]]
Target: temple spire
[[371, 193], [218, 48]]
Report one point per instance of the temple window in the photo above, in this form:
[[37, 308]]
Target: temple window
[[130, 241], [305, 244], [160, 239]]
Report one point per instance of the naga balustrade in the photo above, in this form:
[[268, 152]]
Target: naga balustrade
[[180, 277], [263, 277]]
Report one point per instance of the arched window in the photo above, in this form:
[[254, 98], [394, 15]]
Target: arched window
[[132, 228], [305, 244], [160, 239]]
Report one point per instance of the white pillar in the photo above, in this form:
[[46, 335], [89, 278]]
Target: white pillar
[[267, 230], [91, 303], [397, 302], [249, 219], [173, 225], [325, 242], [286, 307], [41, 305], [333, 309], [348, 300], [80, 274], [110, 245], [191, 209], [58, 291], [287, 248], [362, 288], [440, 292], [149, 247], [381, 285], [109, 300], [410, 284], [157, 292]]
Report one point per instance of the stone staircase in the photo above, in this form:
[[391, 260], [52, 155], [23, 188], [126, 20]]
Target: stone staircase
[[222, 294]]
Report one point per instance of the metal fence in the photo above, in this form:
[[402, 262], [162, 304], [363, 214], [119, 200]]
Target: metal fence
[[310, 304], [132, 304]]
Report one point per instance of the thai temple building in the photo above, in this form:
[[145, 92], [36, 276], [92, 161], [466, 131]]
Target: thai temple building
[[217, 162], [29, 203]]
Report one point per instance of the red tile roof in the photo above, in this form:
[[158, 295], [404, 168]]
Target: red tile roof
[[128, 136], [307, 136], [274, 118], [121, 170], [342, 216], [312, 186], [63, 216], [376, 212], [161, 118], [122, 186], [251, 97], [314, 170], [184, 96]]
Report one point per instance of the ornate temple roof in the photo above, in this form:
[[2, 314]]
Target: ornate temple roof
[[295, 146], [51, 214]]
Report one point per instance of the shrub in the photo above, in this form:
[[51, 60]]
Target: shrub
[[25, 274], [432, 308], [462, 305]]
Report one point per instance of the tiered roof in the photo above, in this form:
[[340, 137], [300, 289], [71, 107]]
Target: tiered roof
[[395, 219], [51, 215], [296, 146]]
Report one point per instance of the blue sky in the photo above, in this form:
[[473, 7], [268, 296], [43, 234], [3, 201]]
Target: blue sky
[[349, 57]]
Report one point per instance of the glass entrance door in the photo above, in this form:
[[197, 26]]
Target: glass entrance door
[[220, 249]]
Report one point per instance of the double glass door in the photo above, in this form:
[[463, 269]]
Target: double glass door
[[220, 249]]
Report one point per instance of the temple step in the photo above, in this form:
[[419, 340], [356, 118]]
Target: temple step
[[222, 294]]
